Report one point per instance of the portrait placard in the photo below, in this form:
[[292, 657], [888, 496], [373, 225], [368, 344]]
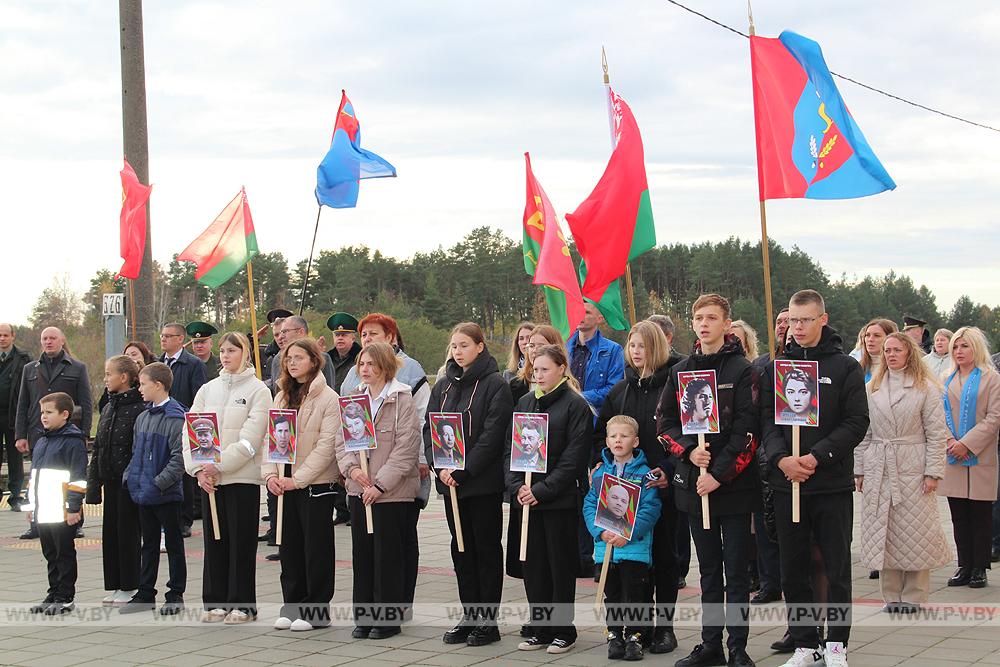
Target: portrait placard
[[282, 430], [357, 422], [796, 392], [617, 505], [447, 440], [529, 442], [696, 395], [202, 429]]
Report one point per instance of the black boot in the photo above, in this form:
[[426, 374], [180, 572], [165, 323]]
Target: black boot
[[664, 641], [977, 578], [703, 656], [784, 645], [961, 577], [460, 633], [616, 645], [483, 634], [633, 647]]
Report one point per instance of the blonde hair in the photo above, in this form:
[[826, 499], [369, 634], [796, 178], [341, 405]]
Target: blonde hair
[[751, 335], [655, 342], [514, 360], [557, 353], [980, 349], [887, 326], [549, 333], [915, 367], [239, 340], [625, 420], [383, 357]]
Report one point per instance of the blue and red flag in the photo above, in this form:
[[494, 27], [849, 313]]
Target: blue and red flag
[[808, 144], [346, 163]]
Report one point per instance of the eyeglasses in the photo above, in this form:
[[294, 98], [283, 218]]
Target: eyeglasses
[[162, 336], [795, 321], [287, 331]]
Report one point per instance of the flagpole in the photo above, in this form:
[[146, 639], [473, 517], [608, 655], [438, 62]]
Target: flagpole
[[131, 302], [253, 319], [305, 282], [764, 246], [629, 294]]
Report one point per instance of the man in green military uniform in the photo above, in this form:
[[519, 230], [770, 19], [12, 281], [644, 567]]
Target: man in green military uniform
[[345, 347], [201, 346]]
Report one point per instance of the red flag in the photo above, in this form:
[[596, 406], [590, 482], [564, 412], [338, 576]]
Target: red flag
[[226, 246], [547, 258], [615, 223], [133, 222]]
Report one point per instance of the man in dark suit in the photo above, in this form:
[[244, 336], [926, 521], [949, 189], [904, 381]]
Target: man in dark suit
[[189, 374], [55, 371], [12, 363]]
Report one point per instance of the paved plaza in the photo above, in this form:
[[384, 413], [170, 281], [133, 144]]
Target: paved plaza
[[962, 632]]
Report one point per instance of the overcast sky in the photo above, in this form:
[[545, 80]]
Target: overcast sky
[[452, 93]]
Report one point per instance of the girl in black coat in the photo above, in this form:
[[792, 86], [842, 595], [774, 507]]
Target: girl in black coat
[[647, 367], [474, 388], [549, 578], [111, 455]]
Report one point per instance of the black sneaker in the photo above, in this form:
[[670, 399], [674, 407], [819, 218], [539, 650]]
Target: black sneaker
[[784, 645], [43, 605], [459, 633], [664, 641], [560, 645], [137, 605], [633, 647], [172, 607], [30, 534], [483, 635], [738, 658], [765, 596], [59, 607], [186, 531], [616, 645], [703, 656], [360, 632]]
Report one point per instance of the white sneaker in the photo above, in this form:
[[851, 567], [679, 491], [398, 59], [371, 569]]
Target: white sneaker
[[236, 617], [163, 543], [283, 623], [807, 657], [213, 615], [299, 625], [109, 598], [836, 654], [123, 597]]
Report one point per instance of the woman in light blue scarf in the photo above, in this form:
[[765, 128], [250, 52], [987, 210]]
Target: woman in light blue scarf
[[972, 412]]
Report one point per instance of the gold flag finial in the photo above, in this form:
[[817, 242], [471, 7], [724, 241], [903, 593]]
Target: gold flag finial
[[604, 64]]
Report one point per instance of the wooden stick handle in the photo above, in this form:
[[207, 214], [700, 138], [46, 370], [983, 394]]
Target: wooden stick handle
[[369, 523], [458, 521], [608, 553], [706, 519], [796, 505], [277, 522], [215, 516], [524, 520]]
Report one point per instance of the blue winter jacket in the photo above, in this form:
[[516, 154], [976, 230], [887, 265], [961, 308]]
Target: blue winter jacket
[[155, 474], [605, 367], [640, 547]]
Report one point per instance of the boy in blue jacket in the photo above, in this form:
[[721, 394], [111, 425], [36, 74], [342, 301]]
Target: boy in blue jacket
[[154, 478], [62, 449], [627, 593]]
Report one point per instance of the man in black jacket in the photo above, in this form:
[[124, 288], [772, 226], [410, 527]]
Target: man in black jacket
[[55, 371], [730, 481], [824, 471], [189, 373], [12, 363]]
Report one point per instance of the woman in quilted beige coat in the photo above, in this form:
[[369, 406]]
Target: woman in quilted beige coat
[[898, 466]]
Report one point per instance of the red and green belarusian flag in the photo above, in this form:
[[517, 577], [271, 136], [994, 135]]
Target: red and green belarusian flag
[[614, 225], [226, 246], [547, 258]]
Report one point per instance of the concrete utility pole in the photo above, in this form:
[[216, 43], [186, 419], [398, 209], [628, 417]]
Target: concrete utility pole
[[137, 148]]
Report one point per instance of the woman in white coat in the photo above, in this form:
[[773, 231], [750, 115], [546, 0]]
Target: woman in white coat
[[240, 402], [898, 466]]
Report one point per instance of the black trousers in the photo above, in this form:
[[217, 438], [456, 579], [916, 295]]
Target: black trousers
[[549, 574], [120, 538], [628, 598], [307, 556], [381, 564], [272, 514], [972, 522], [153, 518], [229, 579], [826, 520], [682, 539], [665, 573], [340, 501], [479, 569], [723, 553], [768, 559], [411, 556], [191, 489], [15, 460], [60, 556]]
